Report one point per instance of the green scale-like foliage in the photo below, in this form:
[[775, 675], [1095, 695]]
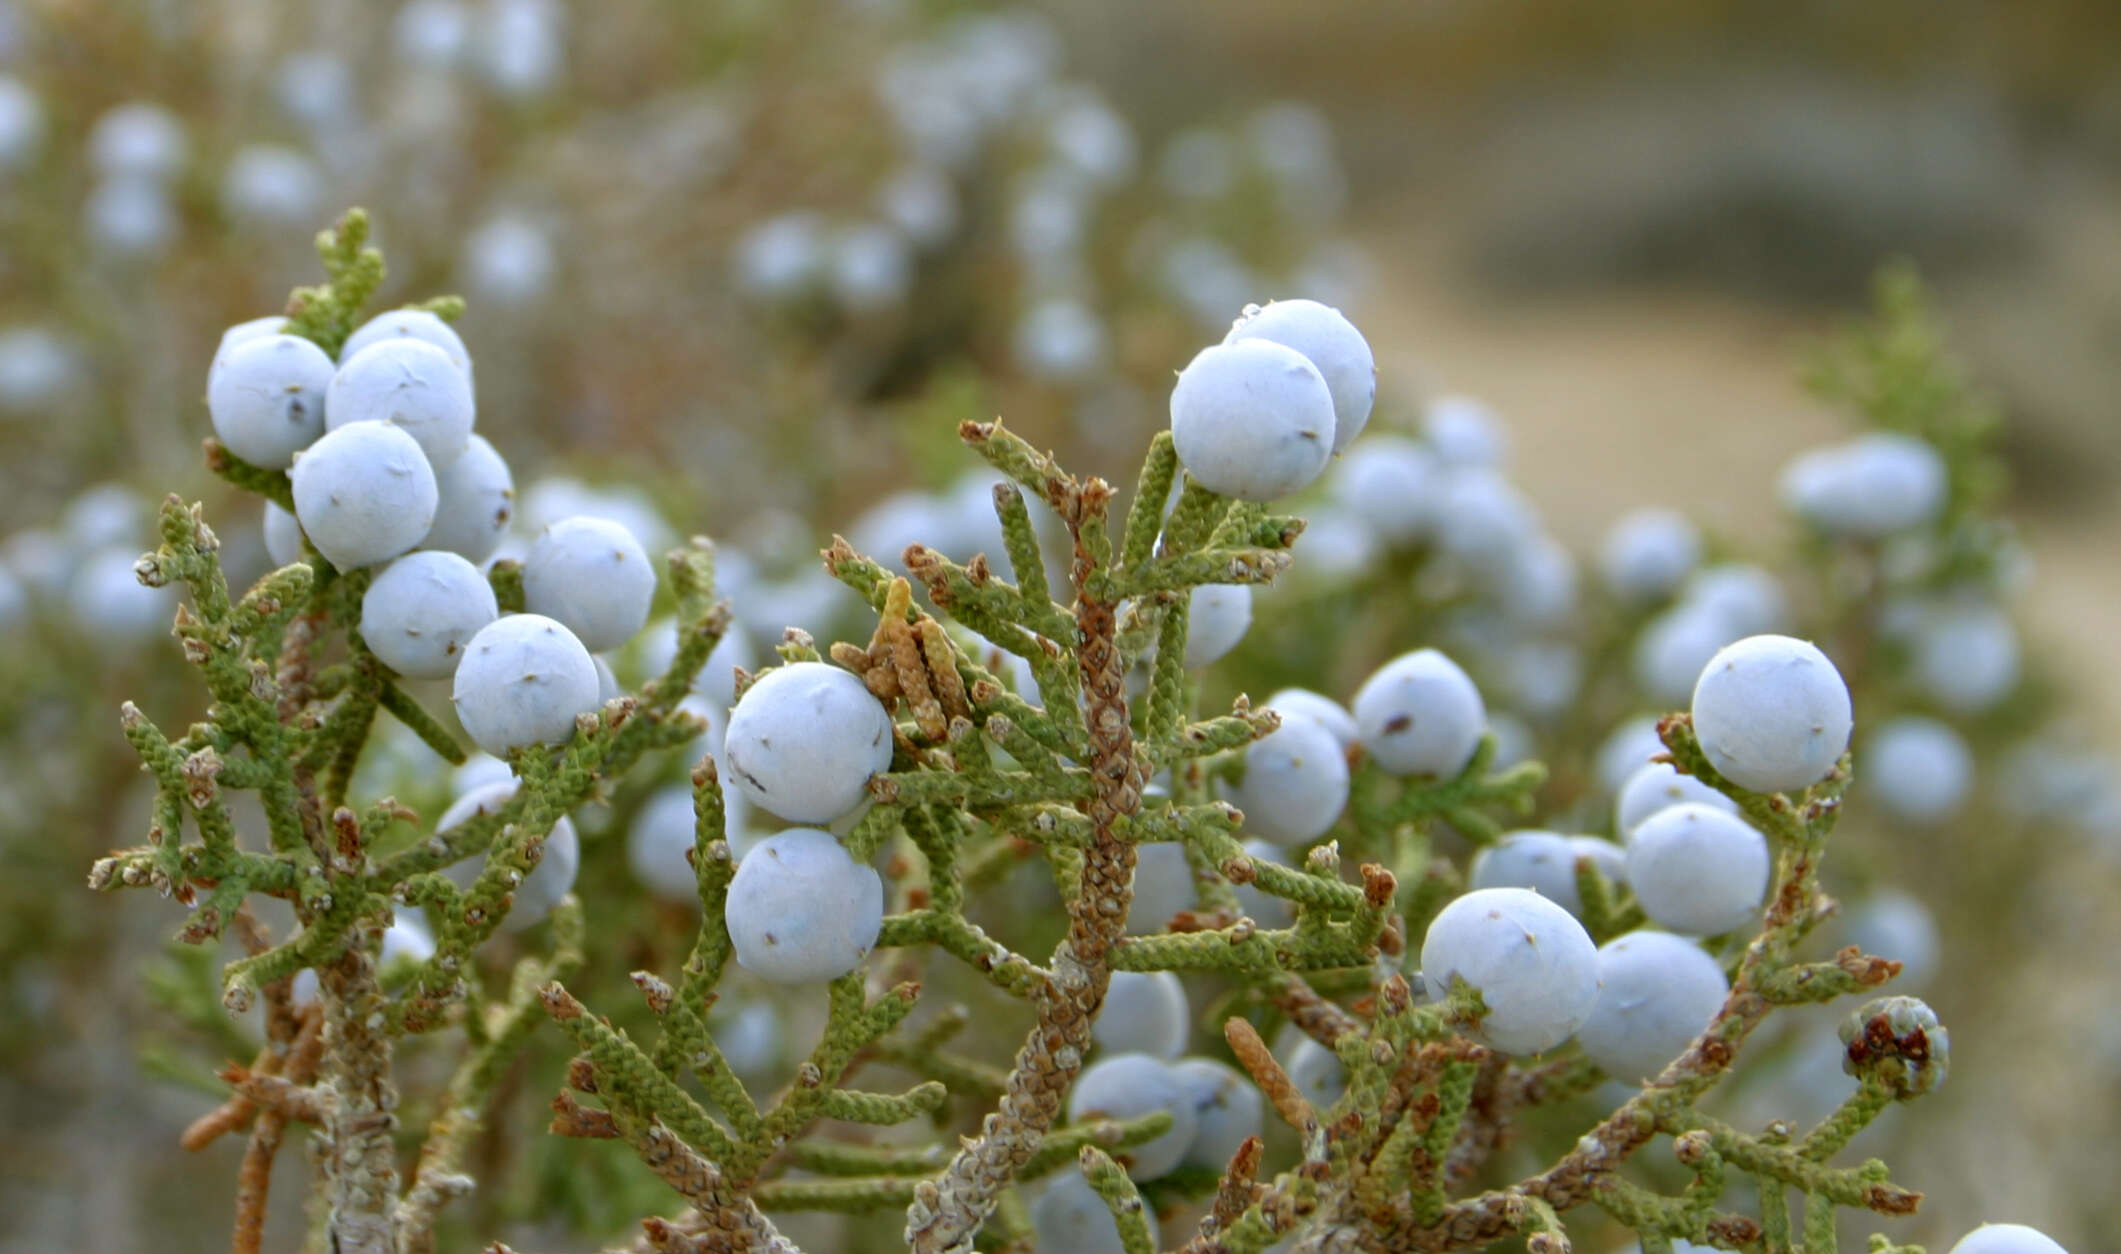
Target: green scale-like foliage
[[998, 779]]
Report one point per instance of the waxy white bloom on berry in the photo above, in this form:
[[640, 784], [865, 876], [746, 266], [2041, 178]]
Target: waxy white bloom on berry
[[1060, 340], [1295, 782], [266, 398], [422, 610], [244, 333], [1536, 584], [1331, 343], [551, 879], [2007, 1239], [1227, 1108], [1625, 750], [1163, 886], [1893, 923], [407, 938], [1145, 1012], [131, 217], [364, 494], [1391, 483], [657, 646], [805, 740], [1128, 1086], [1748, 598], [921, 201], [271, 184], [522, 680], [409, 384], [1868, 488], [780, 257], [107, 602], [1316, 1072], [1656, 786], [1253, 419], [659, 844], [137, 140], [1544, 862], [431, 34], [1217, 616], [283, 535], [1919, 768], [1772, 713], [1659, 991], [1648, 554], [1070, 1218], [36, 368], [871, 268], [410, 324], [1674, 646], [1610, 859], [660, 841], [1966, 657], [800, 910], [1697, 869], [1465, 432], [475, 499], [1533, 964], [1419, 714], [21, 123], [508, 261], [1482, 520], [592, 575], [106, 514], [1259, 905], [1325, 710]]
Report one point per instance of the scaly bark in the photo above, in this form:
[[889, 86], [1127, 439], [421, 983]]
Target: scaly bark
[[361, 1174], [947, 1211]]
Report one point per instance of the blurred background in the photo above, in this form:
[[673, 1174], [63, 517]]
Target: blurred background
[[753, 261]]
